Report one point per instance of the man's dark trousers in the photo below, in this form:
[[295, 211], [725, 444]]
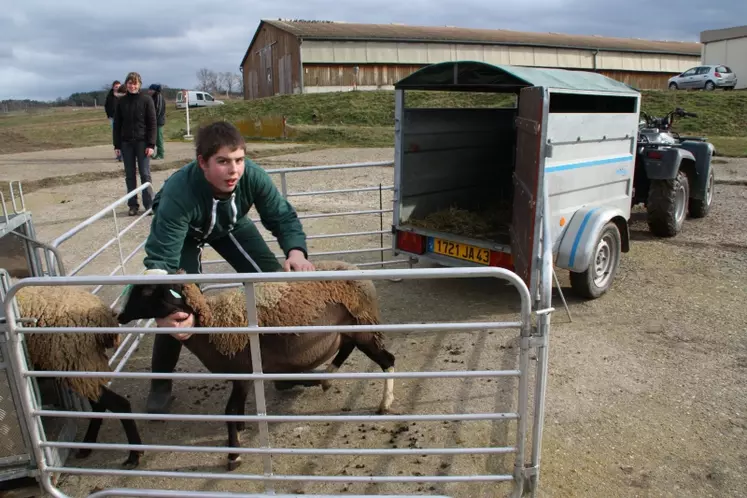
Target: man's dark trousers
[[166, 349], [132, 151]]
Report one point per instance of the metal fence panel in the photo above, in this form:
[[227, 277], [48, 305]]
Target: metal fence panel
[[522, 475], [269, 477]]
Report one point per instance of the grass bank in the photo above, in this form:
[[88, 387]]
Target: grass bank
[[355, 118]]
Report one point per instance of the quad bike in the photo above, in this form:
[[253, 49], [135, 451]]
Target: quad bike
[[673, 174]]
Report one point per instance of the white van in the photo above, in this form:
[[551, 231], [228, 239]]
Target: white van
[[196, 99]]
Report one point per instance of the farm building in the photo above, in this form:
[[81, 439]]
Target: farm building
[[727, 46], [321, 56]]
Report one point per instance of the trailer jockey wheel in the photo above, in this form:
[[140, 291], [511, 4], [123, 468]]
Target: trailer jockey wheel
[[605, 260]]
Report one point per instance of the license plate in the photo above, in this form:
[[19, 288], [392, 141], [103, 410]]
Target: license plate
[[460, 251]]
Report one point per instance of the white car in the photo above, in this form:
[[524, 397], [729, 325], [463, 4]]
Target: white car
[[708, 77], [197, 98]]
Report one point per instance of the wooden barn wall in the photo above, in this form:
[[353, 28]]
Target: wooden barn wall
[[343, 74], [640, 80], [273, 65], [383, 75]]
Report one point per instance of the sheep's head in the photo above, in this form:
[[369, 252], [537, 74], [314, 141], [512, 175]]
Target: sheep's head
[[161, 300]]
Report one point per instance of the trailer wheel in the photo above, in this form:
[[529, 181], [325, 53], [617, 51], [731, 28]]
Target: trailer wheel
[[699, 207], [605, 260], [667, 205]]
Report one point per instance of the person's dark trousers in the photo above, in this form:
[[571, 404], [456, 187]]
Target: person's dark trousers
[[246, 241], [131, 152]]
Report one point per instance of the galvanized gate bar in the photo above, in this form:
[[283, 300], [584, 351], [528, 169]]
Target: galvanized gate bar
[[277, 376], [125, 492], [277, 478], [404, 327], [500, 450]]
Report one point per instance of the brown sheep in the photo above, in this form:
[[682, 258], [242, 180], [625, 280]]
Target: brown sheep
[[77, 352], [301, 303]]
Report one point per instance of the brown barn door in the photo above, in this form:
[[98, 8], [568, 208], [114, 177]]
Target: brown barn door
[[524, 229], [266, 85]]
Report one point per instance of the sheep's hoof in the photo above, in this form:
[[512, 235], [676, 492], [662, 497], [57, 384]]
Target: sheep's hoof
[[133, 461], [83, 453], [384, 410], [326, 384], [234, 464]]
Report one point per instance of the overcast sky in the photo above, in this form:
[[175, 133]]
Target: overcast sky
[[52, 49]]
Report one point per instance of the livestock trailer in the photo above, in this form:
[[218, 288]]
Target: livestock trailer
[[470, 181]]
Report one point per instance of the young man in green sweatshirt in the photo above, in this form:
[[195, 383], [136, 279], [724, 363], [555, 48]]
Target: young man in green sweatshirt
[[206, 202]]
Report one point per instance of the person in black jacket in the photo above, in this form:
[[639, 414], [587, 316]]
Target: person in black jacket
[[155, 92], [135, 136], [110, 105]]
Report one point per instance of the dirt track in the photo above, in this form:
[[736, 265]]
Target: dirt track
[[646, 390]]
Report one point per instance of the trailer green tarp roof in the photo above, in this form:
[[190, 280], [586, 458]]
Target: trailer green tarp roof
[[481, 76]]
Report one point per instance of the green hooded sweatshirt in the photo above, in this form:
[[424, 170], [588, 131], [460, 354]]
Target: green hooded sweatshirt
[[185, 208]]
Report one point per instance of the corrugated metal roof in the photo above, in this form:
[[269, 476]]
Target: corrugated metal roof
[[404, 33], [482, 76], [715, 35]]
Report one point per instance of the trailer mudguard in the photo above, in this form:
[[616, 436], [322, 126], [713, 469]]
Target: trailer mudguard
[[577, 242], [667, 167], [703, 153]]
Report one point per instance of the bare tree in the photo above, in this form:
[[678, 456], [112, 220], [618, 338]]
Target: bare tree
[[238, 82], [226, 82], [207, 80]]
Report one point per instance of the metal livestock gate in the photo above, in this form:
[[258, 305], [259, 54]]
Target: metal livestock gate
[[532, 327]]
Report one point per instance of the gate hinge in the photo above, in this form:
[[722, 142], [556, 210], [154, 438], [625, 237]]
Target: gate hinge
[[534, 341], [530, 478], [530, 471]]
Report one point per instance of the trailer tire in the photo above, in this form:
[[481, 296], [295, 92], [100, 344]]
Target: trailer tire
[[699, 207], [667, 205], [605, 260]]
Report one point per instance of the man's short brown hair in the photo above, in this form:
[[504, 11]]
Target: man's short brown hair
[[213, 136]]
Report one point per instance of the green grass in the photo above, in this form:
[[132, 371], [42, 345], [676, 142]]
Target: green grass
[[730, 146], [355, 118]]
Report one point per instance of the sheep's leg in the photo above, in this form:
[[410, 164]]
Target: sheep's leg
[[385, 360], [92, 433], [347, 346], [235, 406], [115, 403]]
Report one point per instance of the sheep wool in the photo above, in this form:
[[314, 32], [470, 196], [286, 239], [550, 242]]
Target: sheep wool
[[283, 304], [69, 307]]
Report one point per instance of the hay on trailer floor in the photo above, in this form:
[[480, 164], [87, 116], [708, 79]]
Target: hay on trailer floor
[[490, 223]]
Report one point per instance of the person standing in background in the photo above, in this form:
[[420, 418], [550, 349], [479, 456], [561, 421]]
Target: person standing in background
[[109, 106], [160, 103], [135, 137]]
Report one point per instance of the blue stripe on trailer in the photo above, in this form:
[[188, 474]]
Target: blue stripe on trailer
[[587, 164], [577, 240]]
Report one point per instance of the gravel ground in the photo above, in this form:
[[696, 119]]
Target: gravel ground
[[646, 388]]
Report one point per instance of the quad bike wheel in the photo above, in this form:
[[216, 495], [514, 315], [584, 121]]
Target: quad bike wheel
[[699, 207], [667, 205], [605, 260]]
